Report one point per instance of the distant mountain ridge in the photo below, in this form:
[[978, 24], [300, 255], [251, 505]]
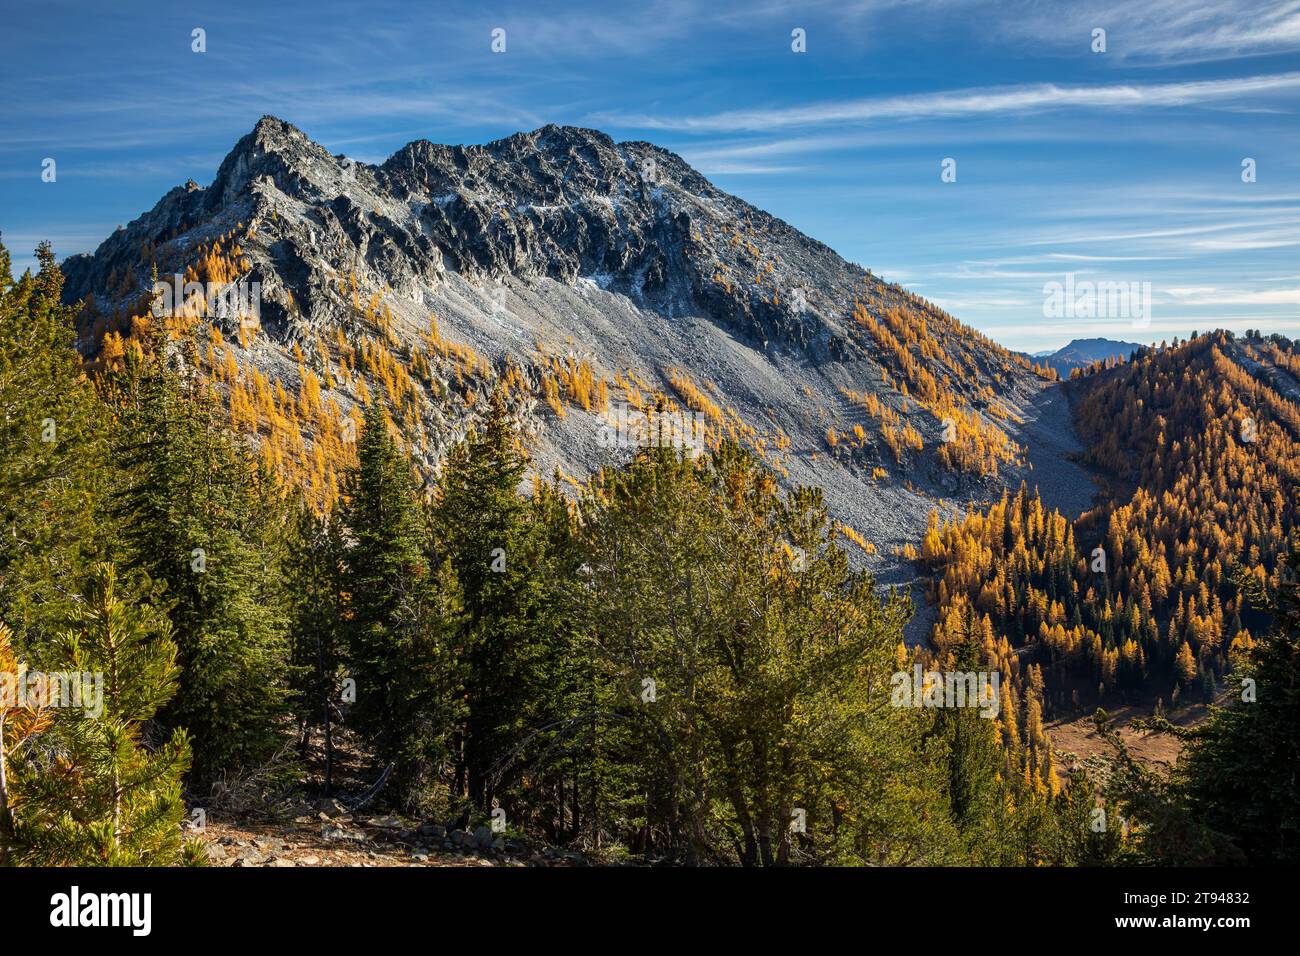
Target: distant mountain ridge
[[1081, 352]]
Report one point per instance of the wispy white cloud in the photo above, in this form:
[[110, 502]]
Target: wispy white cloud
[[1265, 240], [968, 102], [1076, 257], [949, 304], [1213, 295], [1080, 236], [733, 168], [1158, 31]]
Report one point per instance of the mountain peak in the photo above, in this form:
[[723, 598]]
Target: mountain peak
[[553, 135], [270, 125], [560, 202], [581, 273], [273, 149], [1081, 352], [269, 135]]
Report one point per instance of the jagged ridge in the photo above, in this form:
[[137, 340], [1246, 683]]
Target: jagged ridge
[[566, 263]]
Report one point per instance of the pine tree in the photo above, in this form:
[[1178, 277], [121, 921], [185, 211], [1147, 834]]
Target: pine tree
[[1085, 833], [1185, 665], [402, 615], [21, 718], [51, 451], [495, 550], [1239, 774], [749, 670], [317, 635], [107, 799], [194, 514], [557, 772], [1166, 832], [973, 756]]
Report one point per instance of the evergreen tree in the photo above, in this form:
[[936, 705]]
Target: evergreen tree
[[1166, 832], [546, 767], [973, 755], [21, 718], [102, 797], [1241, 774], [402, 615], [51, 451], [509, 632], [317, 635], [1087, 834], [194, 514], [749, 669]]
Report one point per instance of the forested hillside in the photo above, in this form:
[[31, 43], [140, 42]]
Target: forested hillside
[[1202, 463], [1154, 595], [674, 660]]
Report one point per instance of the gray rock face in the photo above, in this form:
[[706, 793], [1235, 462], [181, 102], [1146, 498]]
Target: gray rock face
[[560, 203], [561, 239]]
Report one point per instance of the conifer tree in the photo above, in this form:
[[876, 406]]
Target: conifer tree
[[1166, 832], [1086, 833], [561, 758], [495, 550], [315, 585], [194, 514], [1239, 774], [105, 798], [402, 615], [21, 718], [973, 757], [51, 450], [750, 668]]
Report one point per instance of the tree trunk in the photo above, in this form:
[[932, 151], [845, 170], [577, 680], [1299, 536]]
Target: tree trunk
[[749, 852], [325, 715], [6, 821], [765, 845], [329, 752], [117, 807]]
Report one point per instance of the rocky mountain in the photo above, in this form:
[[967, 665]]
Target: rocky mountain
[[1081, 352], [593, 280]]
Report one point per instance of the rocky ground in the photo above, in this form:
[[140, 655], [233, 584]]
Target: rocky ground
[[1052, 448], [325, 834], [257, 822]]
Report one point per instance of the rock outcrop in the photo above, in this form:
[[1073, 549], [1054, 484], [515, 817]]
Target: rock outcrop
[[562, 245]]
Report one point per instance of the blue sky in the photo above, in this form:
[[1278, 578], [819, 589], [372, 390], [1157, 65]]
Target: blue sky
[[1115, 166]]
